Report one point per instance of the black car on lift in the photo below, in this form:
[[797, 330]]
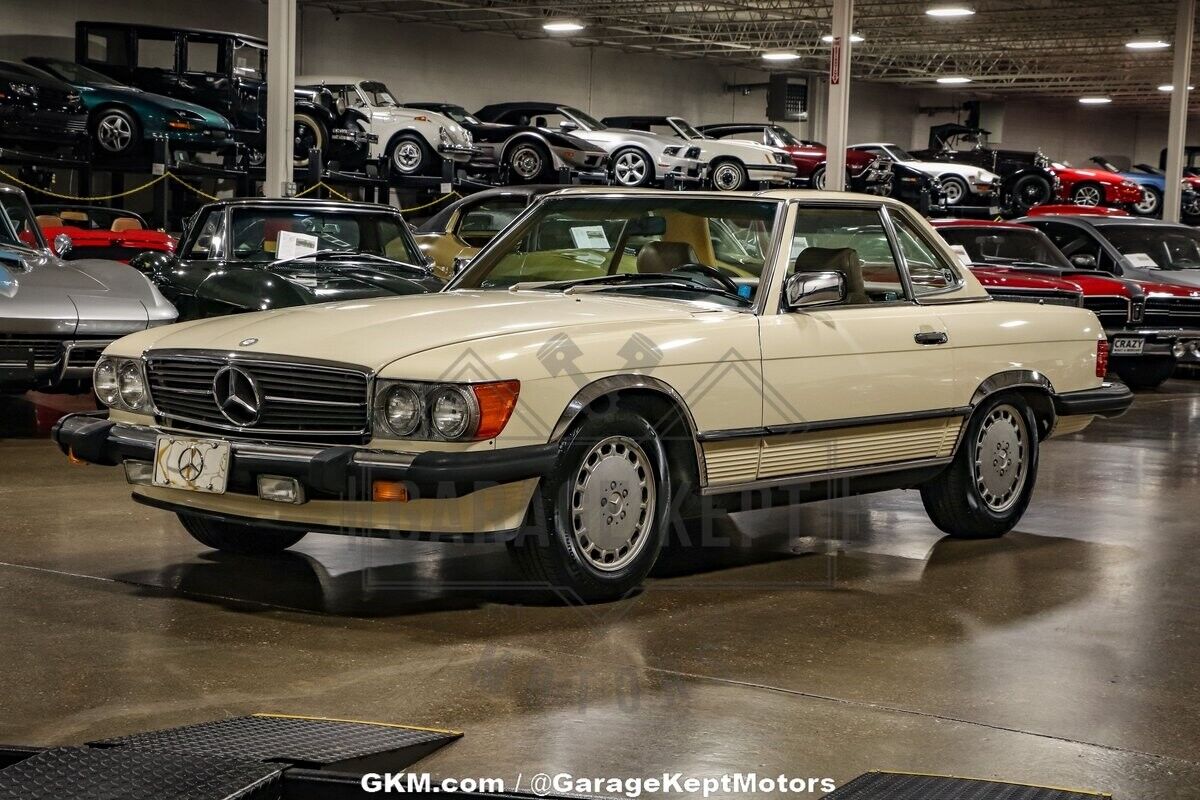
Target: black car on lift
[[257, 254], [1026, 180], [224, 72], [41, 113]]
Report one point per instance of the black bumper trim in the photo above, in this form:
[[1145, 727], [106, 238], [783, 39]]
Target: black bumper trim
[[1110, 399], [333, 470]]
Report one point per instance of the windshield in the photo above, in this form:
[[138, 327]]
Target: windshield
[[897, 153], [459, 115], [602, 238], [71, 72], [1006, 246], [1156, 247], [19, 227], [785, 136], [263, 235], [583, 120], [378, 94], [685, 128], [249, 61]]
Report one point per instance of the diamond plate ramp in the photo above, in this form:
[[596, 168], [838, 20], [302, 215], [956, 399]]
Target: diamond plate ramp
[[301, 741], [85, 773], [903, 786]]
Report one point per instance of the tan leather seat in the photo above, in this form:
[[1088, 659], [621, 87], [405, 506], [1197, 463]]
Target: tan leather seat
[[49, 221], [74, 216], [837, 259], [126, 224], [655, 257]]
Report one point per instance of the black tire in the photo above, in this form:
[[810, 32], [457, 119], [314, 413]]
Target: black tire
[[116, 132], [956, 187], [527, 162], [408, 154], [817, 179], [956, 501], [1151, 203], [729, 176], [632, 167], [1088, 194], [232, 537], [1030, 191], [1144, 373], [309, 134], [562, 551]]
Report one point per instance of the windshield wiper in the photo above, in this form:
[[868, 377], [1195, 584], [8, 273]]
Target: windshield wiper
[[336, 253], [602, 283]]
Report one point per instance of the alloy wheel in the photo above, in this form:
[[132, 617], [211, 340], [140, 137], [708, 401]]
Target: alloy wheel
[[1148, 204], [408, 156], [1087, 196], [527, 163], [1001, 455], [114, 133], [631, 168], [612, 503]]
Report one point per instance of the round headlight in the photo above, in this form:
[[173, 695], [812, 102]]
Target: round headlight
[[104, 381], [132, 387], [402, 410], [452, 412]]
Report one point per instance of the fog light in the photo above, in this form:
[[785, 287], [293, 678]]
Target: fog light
[[1179, 349], [280, 490], [139, 472], [385, 491]]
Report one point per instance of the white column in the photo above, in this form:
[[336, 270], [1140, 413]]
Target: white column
[[1177, 128], [838, 114], [281, 85]]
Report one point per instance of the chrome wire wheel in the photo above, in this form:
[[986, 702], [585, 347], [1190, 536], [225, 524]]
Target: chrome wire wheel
[[408, 157], [527, 162], [1087, 195], [1148, 205], [612, 503], [1000, 465], [114, 133], [631, 168]]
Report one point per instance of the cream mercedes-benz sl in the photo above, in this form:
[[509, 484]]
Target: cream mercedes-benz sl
[[613, 363]]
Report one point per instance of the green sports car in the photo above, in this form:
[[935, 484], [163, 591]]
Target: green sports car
[[122, 120]]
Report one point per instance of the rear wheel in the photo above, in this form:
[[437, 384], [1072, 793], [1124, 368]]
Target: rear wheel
[[232, 537], [1150, 203], [818, 178], [986, 489], [528, 162], [309, 135], [1144, 373], [1030, 191], [605, 509], [954, 189]]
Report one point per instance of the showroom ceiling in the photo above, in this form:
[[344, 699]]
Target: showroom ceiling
[[1030, 47]]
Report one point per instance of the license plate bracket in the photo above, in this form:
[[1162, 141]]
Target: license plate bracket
[[197, 465]]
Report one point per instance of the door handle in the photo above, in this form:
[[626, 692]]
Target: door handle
[[930, 337]]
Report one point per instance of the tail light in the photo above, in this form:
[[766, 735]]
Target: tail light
[[1102, 348]]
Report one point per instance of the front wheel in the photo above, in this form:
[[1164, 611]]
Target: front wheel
[[1087, 194], [632, 167], [987, 487], [232, 537], [605, 510], [729, 176], [1144, 373], [1030, 191], [410, 155], [1150, 203], [116, 132]]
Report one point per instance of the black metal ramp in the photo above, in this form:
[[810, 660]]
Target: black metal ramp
[[244, 758], [904, 786]]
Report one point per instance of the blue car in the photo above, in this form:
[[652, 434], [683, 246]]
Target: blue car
[[1153, 183]]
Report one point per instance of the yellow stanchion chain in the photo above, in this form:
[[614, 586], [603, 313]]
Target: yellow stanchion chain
[[326, 187], [89, 198], [186, 185], [433, 202]]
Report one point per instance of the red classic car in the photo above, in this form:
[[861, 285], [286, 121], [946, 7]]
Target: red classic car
[[1095, 187], [76, 232], [1052, 209], [1148, 324], [863, 170]]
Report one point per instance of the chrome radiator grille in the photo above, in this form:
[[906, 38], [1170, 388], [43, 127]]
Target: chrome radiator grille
[[1112, 311], [1173, 311], [282, 399]]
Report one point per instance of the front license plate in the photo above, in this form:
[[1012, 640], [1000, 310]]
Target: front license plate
[[198, 465], [1127, 346]]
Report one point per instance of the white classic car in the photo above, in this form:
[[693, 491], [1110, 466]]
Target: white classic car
[[962, 184], [414, 141], [611, 364], [733, 164]]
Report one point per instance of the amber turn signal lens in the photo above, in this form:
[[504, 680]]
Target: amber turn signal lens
[[496, 403], [389, 491]]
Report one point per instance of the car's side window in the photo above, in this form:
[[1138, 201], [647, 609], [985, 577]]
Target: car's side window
[[851, 241], [1073, 241], [480, 224], [927, 270], [156, 53], [203, 56], [108, 46]]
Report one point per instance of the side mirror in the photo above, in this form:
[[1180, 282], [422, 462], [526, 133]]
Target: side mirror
[[811, 289], [566, 126], [1084, 261], [460, 263], [62, 245]]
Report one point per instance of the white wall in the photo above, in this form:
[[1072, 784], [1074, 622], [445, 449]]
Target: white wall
[[430, 63]]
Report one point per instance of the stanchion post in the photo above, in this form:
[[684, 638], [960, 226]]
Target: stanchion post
[[315, 171], [162, 163]]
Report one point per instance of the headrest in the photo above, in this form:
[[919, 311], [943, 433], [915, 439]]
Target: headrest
[[126, 224], [819, 259], [657, 257], [49, 221], [73, 216]]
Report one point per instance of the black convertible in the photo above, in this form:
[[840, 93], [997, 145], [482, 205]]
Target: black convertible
[[255, 255]]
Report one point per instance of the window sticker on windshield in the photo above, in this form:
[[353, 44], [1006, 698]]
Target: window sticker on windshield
[[294, 245], [1141, 260], [589, 237], [963, 256]]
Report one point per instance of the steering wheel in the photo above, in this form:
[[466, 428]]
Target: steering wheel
[[708, 276]]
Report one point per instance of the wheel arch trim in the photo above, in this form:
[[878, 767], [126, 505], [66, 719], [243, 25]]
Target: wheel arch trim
[[1014, 379]]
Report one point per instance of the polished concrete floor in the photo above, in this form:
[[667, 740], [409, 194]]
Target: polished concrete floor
[[823, 640]]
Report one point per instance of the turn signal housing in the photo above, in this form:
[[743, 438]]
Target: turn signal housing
[[389, 491], [496, 403], [1102, 348]]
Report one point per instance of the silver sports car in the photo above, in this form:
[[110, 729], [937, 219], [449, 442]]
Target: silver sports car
[[56, 316]]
